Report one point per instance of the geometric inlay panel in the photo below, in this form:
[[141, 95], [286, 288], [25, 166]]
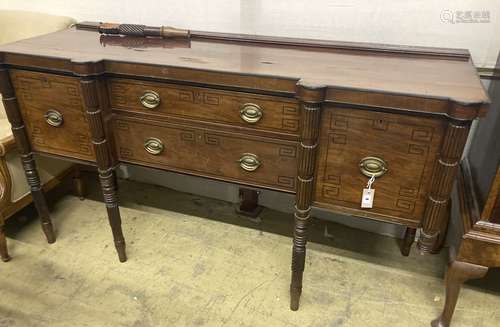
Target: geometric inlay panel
[[330, 191], [418, 149], [286, 181]]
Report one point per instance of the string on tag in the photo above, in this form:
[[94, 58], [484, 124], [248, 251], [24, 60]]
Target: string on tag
[[370, 182]]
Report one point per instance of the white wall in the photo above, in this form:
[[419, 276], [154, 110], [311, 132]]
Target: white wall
[[412, 22]]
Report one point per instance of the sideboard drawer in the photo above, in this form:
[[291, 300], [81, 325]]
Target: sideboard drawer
[[408, 145], [250, 160], [236, 108], [53, 113]]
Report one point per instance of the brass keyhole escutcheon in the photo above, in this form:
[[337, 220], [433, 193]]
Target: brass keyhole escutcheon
[[150, 99], [251, 113], [154, 146], [373, 166], [54, 118], [249, 162]]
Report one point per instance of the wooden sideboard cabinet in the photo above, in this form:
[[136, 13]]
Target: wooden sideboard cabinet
[[314, 118]]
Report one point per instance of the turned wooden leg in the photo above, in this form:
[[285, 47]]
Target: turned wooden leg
[[79, 184], [104, 160], [38, 196], [24, 146], [310, 97], [4, 254], [108, 185], [458, 273], [408, 240], [298, 257], [444, 230]]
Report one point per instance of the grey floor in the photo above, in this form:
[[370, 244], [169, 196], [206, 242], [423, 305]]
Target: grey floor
[[194, 262]]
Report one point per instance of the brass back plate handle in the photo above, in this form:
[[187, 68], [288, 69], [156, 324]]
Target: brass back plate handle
[[154, 146], [251, 113], [373, 166], [54, 118], [150, 99], [249, 162]]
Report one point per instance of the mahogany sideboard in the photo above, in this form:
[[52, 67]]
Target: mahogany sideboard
[[314, 118]]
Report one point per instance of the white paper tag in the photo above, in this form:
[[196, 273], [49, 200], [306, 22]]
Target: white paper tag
[[367, 199]]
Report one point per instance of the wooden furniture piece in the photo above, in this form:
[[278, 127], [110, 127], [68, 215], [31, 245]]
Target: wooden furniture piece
[[478, 214], [310, 117], [14, 196], [14, 193]]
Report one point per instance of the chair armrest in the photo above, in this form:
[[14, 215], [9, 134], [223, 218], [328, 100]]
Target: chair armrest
[[5, 178], [7, 144]]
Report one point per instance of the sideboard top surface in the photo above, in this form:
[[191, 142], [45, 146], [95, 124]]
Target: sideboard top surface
[[445, 74]]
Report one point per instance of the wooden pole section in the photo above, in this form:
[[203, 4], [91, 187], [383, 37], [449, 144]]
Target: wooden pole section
[[104, 162], [310, 98], [19, 131]]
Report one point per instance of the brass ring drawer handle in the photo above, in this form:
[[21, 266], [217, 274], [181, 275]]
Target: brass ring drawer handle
[[154, 146], [249, 162], [251, 113], [54, 118], [373, 166], [150, 99]]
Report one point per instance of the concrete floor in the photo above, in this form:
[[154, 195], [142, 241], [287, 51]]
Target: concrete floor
[[194, 262]]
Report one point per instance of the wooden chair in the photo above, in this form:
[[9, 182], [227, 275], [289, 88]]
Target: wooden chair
[[14, 191], [477, 218]]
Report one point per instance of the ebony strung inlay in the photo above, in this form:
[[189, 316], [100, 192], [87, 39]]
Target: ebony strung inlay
[[313, 118]]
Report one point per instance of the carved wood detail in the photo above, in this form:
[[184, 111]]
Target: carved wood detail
[[435, 217], [24, 146], [310, 106], [104, 162]]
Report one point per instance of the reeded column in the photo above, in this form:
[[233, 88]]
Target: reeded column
[[104, 162], [435, 220], [310, 98], [24, 146]]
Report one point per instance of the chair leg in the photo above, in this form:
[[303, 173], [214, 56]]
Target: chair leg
[[458, 273], [408, 240], [4, 254]]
